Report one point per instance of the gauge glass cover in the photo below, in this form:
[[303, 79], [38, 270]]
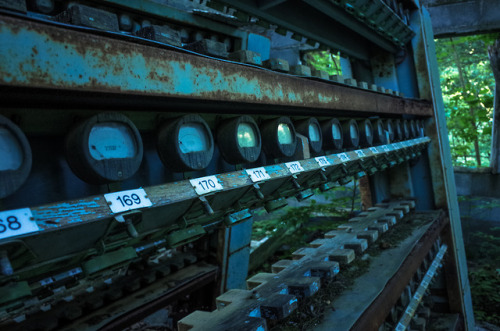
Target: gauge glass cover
[[193, 138], [353, 131], [246, 135], [284, 134], [111, 140], [314, 133], [336, 132], [368, 130], [10, 151]]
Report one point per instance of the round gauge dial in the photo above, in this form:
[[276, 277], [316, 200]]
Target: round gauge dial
[[284, 134], [406, 129], [379, 136], [333, 137], [193, 138], [104, 148], [389, 127], [413, 129], [11, 151], [314, 132], [239, 140], [247, 135], [278, 136], [311, 129], [398, 130], [365, 133], [185, 144], [420, 128], [351, 134], [111, 140], [15, 157]]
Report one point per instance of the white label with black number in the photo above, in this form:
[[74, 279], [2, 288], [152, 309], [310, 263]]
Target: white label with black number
[[127, 200], [322, 161], [385, 148], [294, 167], [360, 153], [206, 185], [17, 222], [344, 157], [258, 174], [374, 150]]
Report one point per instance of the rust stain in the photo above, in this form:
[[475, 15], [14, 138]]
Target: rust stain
[[108, 62]]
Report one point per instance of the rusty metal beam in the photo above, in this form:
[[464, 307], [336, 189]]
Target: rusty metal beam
[[47, 56], [205, 281]]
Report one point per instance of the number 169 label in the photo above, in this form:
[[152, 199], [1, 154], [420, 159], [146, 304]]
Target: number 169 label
[[17, 222], [127, 200]]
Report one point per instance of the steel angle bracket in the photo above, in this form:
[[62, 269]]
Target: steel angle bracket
[[84, 221]]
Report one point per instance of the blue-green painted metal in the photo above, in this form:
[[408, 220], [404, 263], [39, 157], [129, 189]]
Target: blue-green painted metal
[[445, 195]]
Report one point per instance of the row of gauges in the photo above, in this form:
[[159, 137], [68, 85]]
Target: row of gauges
[[108, 147]]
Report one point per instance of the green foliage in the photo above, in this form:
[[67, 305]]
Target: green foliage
[[485, 285], [293, 219], [483, 255], [342, 202], [326, 61], [468, 86]]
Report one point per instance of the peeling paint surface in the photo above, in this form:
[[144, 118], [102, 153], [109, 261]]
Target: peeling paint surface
[[59, 58]]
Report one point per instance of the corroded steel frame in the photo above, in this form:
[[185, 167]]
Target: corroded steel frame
[[46, 56]]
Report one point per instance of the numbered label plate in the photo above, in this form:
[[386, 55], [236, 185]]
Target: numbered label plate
[[206, 185], [343, 157], [127, 200], [294, 167], [258, 174], [17, 222], [360, 153], [385, 148], [322, 161], [374, 150]]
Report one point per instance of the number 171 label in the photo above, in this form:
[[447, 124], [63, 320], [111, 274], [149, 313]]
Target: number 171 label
[[127, 200], [258, 174], [17, 222]]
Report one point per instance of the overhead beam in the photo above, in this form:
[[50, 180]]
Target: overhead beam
[[50, 57], [458, 17], [323, 22], [266, 4]]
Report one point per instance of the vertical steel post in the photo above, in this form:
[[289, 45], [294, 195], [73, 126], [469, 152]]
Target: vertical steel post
[[445, 195]]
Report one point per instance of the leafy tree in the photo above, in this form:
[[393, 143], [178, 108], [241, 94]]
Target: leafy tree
[[468, 84], [324, 60]]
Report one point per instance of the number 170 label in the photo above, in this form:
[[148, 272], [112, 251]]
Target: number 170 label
[[17, 222], [206, 185], [127, 200]]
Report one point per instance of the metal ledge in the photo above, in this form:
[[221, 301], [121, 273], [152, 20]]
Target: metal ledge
[[47, 56]]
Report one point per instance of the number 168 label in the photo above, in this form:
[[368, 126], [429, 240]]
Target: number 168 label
[[127, 200], [17, 222]]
